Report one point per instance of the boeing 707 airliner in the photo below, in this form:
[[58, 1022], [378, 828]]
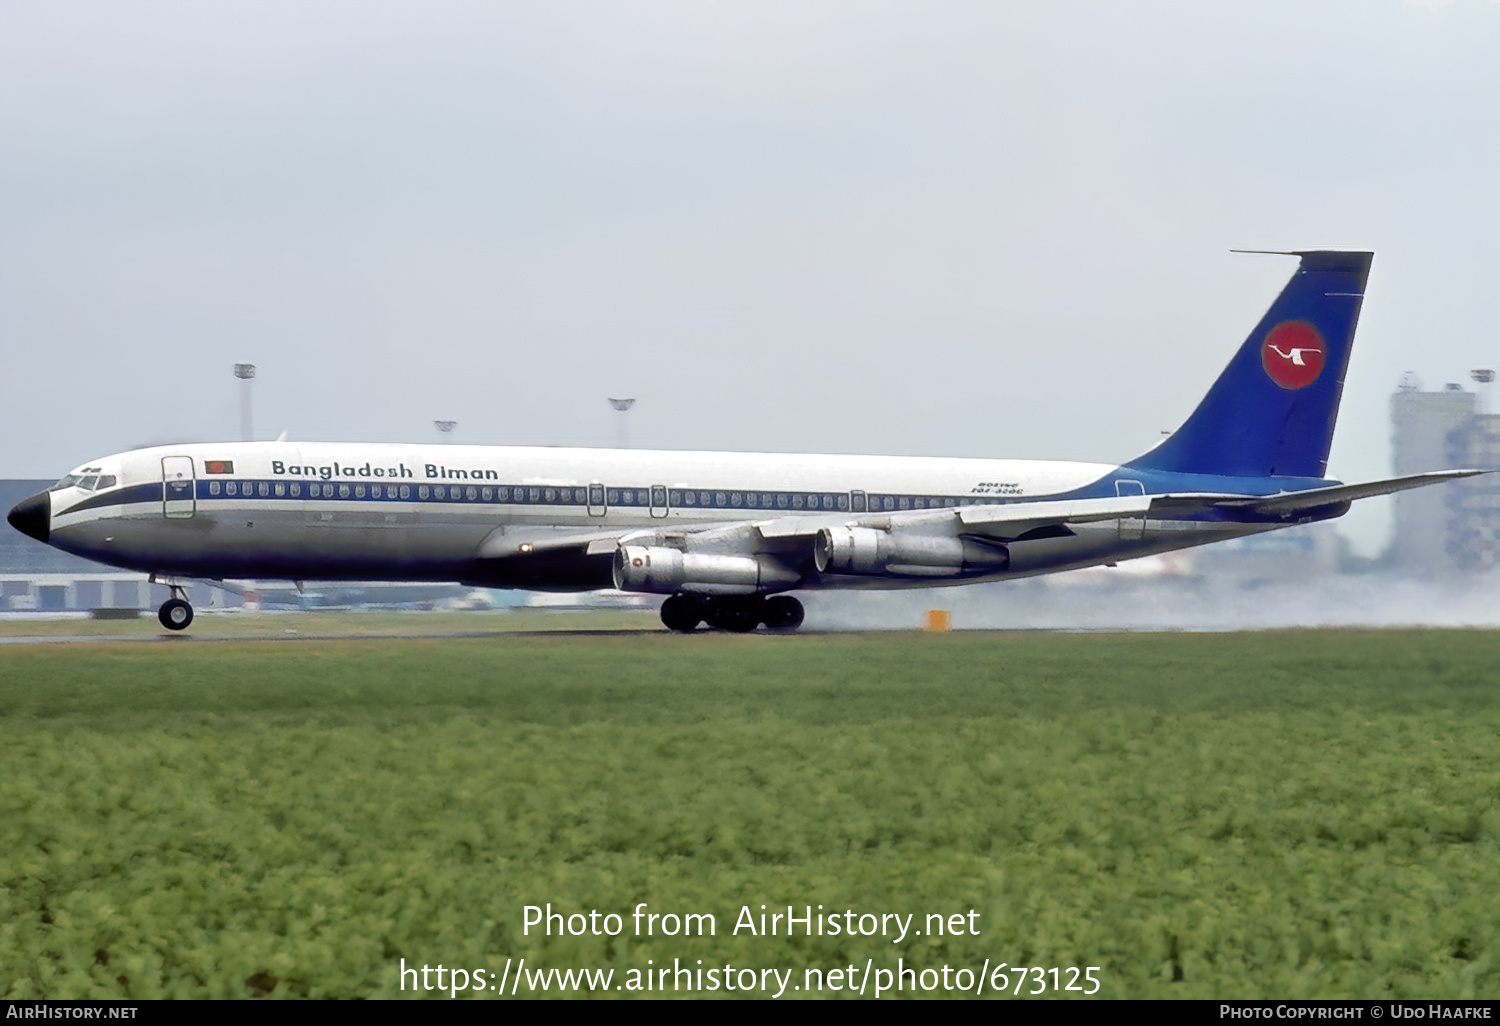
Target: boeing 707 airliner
[[727, 537]]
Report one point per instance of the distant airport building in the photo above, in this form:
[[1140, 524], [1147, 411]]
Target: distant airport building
[[1454, 527]]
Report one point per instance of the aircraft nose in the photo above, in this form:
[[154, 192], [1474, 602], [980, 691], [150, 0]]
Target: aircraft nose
[[33, 516]]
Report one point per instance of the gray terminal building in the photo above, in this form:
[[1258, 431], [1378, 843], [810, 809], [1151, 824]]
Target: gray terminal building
[[1453, 528]]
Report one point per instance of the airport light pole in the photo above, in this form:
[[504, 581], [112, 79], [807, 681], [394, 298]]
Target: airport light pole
[[246, 373], [623, 405]]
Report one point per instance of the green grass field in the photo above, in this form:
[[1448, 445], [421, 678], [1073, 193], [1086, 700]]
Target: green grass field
[[1296, 814]]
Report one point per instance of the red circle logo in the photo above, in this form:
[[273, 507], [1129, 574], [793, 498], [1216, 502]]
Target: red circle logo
[[1293, 354]]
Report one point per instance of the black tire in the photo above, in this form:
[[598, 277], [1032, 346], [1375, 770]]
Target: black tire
[[682, 613], [782, 613], [175, 614], [738, 615]]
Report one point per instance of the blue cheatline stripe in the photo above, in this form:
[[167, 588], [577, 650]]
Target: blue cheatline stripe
[[217, 489]]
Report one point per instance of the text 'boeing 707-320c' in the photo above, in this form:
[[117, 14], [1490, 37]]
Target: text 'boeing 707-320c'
[[728, 536]]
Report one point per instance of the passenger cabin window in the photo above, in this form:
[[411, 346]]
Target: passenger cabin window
[[213, 488]]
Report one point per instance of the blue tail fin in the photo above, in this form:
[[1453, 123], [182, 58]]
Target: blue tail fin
[[1272, 411]]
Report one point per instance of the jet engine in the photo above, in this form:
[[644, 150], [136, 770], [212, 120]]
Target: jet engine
[[868, 550], [666, 571]]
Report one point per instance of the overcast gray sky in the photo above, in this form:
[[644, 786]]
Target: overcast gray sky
[[922, 228]]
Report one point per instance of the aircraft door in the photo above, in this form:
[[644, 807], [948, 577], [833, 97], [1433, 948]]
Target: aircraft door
[[658, 501], [1131, 528], [179, 487], [857, 501], [597, 508]]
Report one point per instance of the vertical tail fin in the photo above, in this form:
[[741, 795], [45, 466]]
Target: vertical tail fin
[[1272, 411]]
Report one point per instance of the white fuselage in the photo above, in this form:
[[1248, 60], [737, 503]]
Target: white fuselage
[[427, 512]]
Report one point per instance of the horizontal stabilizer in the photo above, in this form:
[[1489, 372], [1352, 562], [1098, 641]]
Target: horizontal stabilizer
[[1294, 502]]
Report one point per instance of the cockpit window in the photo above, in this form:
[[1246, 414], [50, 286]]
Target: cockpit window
[[89, 480]]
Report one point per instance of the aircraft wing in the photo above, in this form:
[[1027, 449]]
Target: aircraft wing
[[1007, 521], [520, 554]]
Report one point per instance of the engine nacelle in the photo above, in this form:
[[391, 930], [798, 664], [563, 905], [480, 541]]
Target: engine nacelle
[[868, 550], [665, 571]]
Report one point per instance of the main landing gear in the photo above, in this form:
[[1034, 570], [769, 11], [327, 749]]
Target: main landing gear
[[738, 613], [176, 613]]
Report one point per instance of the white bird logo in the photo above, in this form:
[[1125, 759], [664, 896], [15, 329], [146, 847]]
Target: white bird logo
[[1295, 355]]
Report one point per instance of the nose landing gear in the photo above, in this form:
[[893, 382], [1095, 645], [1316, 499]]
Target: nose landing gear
[[735, 613], [176, 614]]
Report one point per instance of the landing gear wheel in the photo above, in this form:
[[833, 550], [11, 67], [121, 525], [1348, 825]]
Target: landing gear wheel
[[782, 613], [682, 613], [175, 614], [738, 615]]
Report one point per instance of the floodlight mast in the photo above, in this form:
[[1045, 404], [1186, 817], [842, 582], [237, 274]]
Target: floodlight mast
[[246, 373], [623, 406]]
